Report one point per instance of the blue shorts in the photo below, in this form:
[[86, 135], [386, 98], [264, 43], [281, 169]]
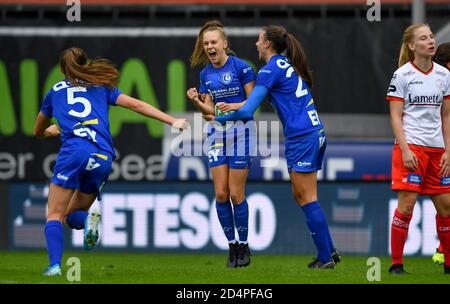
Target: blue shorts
[[82, 167], [231, 148], [305, 153]]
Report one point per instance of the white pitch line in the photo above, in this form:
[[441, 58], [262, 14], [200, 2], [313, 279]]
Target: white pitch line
[[167, 32]]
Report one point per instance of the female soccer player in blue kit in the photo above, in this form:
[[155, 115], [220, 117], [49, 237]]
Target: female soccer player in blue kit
[[80, 105], [225, 83], [287, 80]]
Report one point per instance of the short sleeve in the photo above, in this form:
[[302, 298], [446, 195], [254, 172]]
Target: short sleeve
[[447, 88], [46, 107], [267, 77], [396, 90], [112, 95], [245, 72], [202, 87]]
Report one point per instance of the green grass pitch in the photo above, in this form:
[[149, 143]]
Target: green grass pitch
[[170, 268]]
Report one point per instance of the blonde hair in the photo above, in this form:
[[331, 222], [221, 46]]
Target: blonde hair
[[199, 56], [406, 54], [79, 71]]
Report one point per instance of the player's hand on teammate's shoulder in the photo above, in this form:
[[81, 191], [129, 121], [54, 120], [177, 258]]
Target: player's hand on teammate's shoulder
[[180, 124]]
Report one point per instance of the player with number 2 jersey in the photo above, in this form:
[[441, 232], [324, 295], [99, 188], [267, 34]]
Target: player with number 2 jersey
[[286, 79]]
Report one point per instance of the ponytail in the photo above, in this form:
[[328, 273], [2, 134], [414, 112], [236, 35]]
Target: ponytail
[[299, 61], [281, 42], [79, 71]]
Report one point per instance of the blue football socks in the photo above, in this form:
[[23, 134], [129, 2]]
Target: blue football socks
[[76, 219], [55, 241], [241, 220], [225, 215], [318, 227]]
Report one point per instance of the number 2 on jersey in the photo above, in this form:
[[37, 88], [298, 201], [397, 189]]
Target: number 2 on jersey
[[299, 92]]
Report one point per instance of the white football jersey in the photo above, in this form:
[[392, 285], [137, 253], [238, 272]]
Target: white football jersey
[[422, 94]]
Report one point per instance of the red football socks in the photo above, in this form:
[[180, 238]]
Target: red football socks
[[443, 231], [399, 234]]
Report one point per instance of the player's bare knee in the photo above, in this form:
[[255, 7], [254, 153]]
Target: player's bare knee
[[55, 216], [406, 209], [222, 196], [297, 197], [237, 198], [443, 210]]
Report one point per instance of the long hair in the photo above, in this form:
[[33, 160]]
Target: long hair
[[442, 55], [81, 71], [406, 54], [282, 41], [199, 56]]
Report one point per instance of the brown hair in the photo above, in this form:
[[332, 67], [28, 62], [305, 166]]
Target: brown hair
[[198, 56], [406, 54], [78, 70], [281, 40], [442, 55]]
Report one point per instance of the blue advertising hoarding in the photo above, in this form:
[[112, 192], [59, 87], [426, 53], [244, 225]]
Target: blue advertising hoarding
[[181, 217], [344, 161]]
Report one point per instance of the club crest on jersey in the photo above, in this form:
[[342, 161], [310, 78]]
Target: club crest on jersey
[[227, 78], [440, 84]]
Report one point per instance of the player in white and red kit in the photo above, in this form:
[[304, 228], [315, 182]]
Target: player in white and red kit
[[419, 96]]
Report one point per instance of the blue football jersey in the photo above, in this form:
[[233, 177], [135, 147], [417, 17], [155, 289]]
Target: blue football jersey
[[226, 84], [290, 96], [82, 112]]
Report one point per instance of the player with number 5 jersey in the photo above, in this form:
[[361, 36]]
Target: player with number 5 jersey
[[287, 79], [80, 105]]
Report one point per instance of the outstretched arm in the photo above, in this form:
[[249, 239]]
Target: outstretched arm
[[250, 106], [148, 110]]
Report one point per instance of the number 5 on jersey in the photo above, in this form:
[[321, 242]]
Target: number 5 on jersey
[[71, 99]]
